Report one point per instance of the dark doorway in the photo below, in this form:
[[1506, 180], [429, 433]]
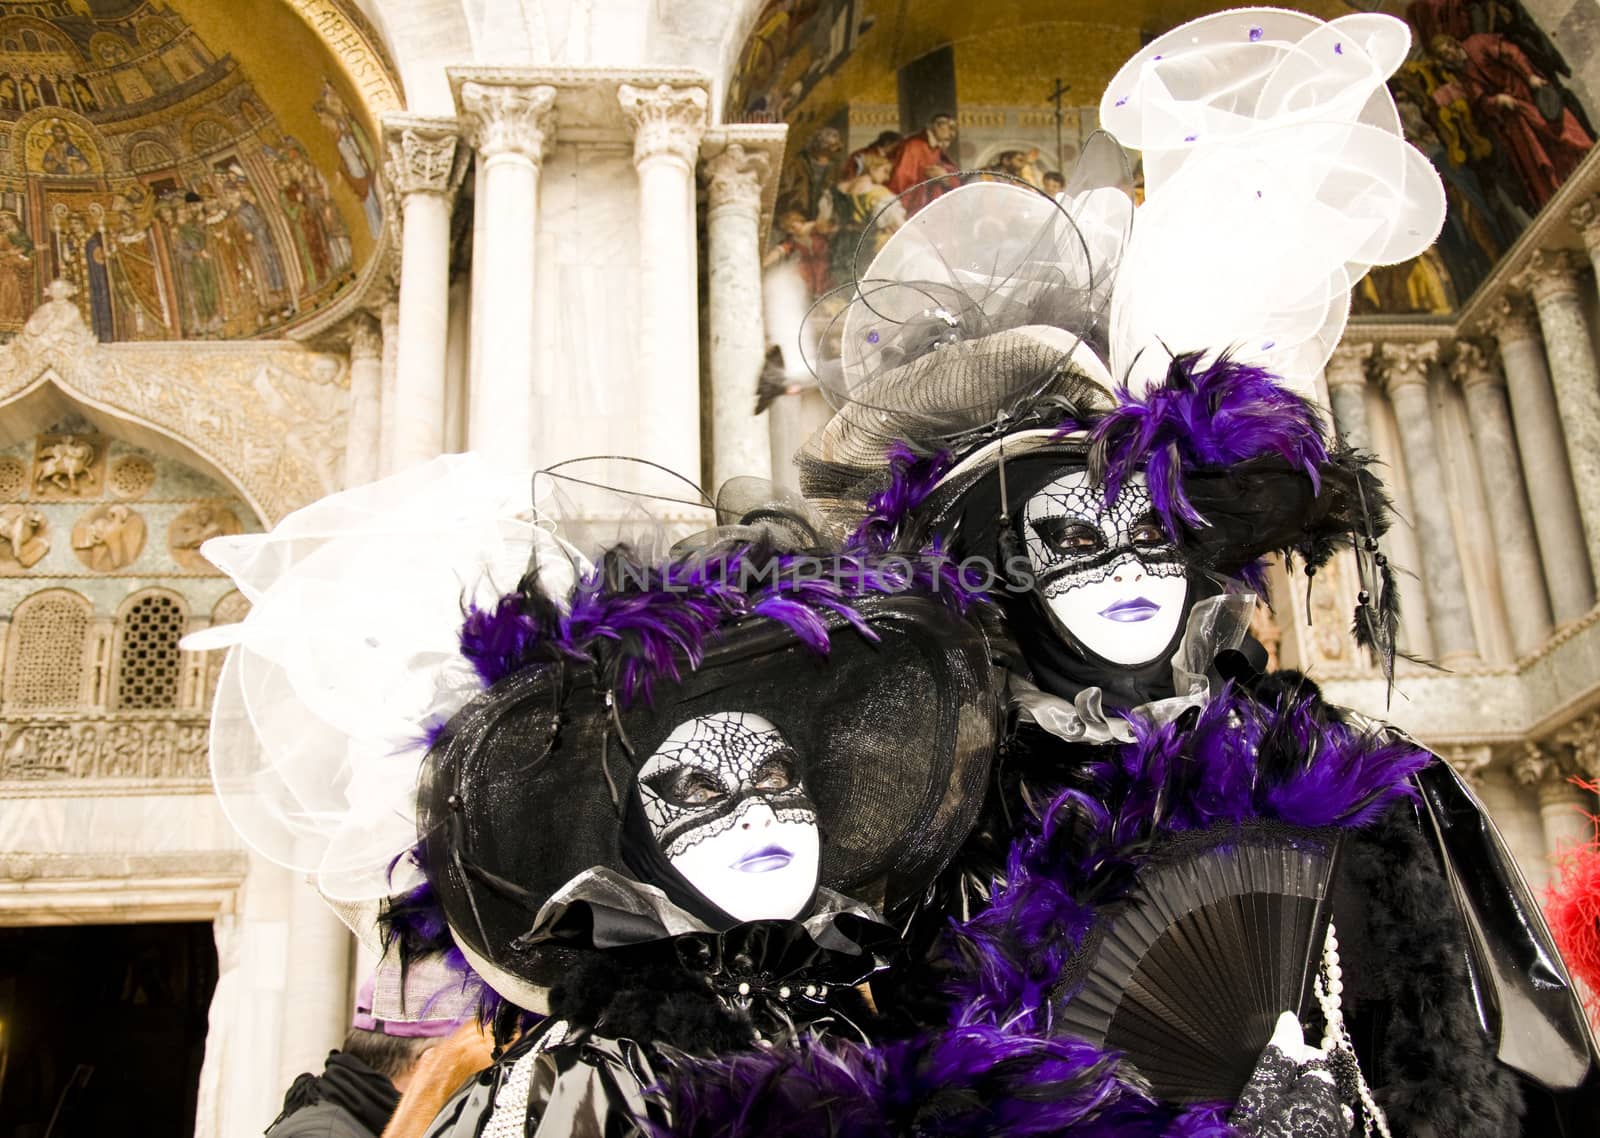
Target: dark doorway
[[103, 1028]]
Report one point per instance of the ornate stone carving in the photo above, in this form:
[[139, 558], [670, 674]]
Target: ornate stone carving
[[1585, 218], [270, 417], [1474, 363], [1534, 764], [195, 526], [24, 537], [1582, 736], [1402, 365], [1550, 273], [68, 466], [108, 538], [510, 119], [667, 121], [131, 476], [422, 155], [1512, 319], [363, 337], [1347, 367], [13, 476], [144, 746], [735, 177], [1470, 762]]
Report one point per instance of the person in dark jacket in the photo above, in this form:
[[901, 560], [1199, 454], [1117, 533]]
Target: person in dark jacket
[[361, 1083]]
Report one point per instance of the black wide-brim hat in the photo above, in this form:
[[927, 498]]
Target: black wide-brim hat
[[526, 789]]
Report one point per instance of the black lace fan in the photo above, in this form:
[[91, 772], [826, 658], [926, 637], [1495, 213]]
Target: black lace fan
[[1188, 977]]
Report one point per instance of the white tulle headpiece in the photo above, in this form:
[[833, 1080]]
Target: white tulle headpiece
[[349, 654], [1276, 175]]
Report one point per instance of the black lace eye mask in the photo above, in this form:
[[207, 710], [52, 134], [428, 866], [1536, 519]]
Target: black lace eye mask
[[1074, 539], [698, 785]]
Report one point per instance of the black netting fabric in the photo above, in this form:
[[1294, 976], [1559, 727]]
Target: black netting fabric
[[953, 399], [894, 740]]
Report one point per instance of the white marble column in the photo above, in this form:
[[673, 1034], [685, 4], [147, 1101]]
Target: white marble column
[[1522, 590], [740, 441], [389, 329], [1405, 368], [316, 991], [1346, 374], [510, 126], [363, 456], [1543, 449], [667, 122], [1552, 279], [422, 170]]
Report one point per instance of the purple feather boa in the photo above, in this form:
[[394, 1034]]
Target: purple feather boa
[[1238, 762], [662, 618], [1211, 415], [997, 1069]]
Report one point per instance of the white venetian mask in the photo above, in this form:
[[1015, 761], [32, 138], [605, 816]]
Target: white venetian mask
[[1109, 574], [724, 802]]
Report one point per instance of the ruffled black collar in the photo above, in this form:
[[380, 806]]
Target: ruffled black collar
[[649, 970]]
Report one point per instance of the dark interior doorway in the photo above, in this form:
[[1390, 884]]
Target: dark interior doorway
[[103, 1028]]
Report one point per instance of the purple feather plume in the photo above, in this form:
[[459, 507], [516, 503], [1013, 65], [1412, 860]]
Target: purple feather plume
[[654, 620], [1211, 415], [912, 477]]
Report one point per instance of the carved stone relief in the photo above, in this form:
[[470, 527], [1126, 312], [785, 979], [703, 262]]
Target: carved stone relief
[[68, 466], [108, 538], [195, 526], [270, 417], [24, 537], [13, 476], [61, 747], [131, 476]]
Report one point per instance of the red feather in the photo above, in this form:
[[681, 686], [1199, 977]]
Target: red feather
[[1573, 908]]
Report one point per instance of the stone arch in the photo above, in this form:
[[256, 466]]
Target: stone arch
[[51, 397], [146, 665], [266, 419], [46, 649]]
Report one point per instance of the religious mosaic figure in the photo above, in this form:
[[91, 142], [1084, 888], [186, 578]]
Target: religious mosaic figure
[[357, 161], [16, 270]]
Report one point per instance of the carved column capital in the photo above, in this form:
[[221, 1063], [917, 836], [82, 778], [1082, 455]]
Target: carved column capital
[[1470, 762], [1585, 218], [1512, 320], [1582, 736], [735, 177], [421, 155], [1347, 367], [505, 118], [667, 121], [1550, 273], [1405, 365], [1474, 364], [362, 336]]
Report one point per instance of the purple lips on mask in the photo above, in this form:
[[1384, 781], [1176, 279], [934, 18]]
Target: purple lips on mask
[[764, 860], [1131, 611]]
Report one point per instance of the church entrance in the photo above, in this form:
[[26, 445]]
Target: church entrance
[[102, 1028]]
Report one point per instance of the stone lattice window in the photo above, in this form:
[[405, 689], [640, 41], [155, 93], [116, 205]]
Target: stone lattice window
[[44, 667], [147, 653]]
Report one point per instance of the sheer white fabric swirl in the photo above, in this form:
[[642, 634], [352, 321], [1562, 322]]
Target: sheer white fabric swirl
[[1276, 175], [349, 654]]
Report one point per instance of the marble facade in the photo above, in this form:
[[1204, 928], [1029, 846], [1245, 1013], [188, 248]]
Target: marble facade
[[571, 265]]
